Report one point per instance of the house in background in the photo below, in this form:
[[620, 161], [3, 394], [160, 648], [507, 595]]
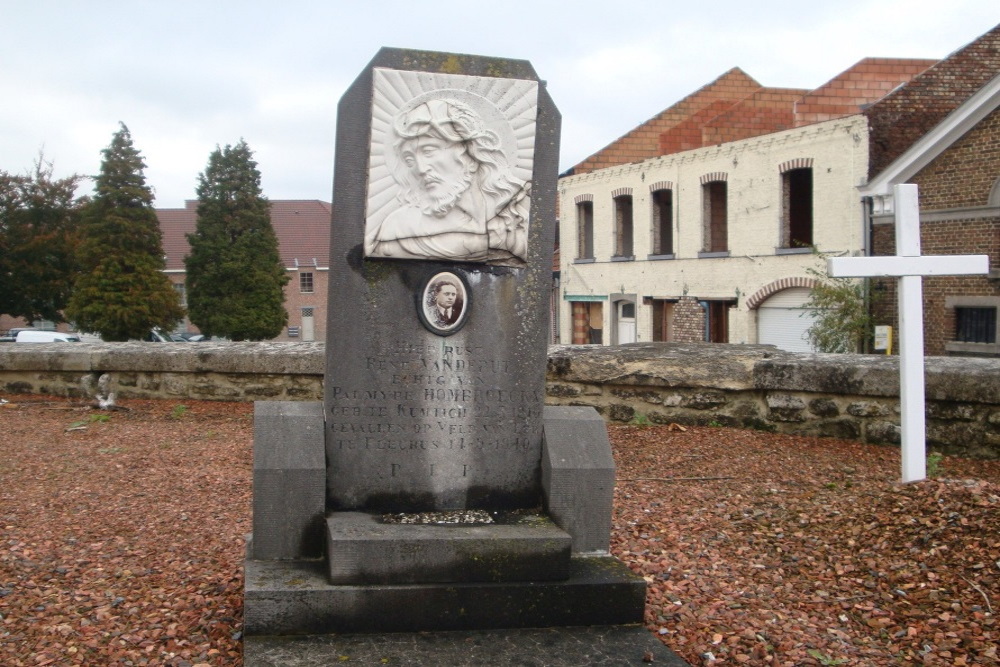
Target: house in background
[[700, 223], [303, 230], [942, 132]]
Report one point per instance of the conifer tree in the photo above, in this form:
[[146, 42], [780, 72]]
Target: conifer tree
[[235, 277], [121, 292], [38, 218]]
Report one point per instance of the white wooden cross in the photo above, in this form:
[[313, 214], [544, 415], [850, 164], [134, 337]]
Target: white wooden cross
[[909, 267]]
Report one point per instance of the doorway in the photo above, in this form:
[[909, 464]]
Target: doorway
[[784, 320], [625, 315], [308, 325], [588, 318]]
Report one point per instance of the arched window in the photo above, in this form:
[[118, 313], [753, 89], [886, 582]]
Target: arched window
[[662, 201], [624, 231], [715, 213], [796, 203], [585, 227], [995, 194]]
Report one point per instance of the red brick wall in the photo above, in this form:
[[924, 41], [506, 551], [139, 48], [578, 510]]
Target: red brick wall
[[689, 321], [952, 237], [643, 142], [860, 85], [736, 107], [906, 114], [960, 178], [295, 300], [766, 111], [965, 174], [580, 323]]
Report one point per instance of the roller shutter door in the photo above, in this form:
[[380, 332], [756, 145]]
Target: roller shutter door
[[782, 320]]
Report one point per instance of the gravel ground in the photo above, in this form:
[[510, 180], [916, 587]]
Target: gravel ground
[[763, 549], [121, 541]]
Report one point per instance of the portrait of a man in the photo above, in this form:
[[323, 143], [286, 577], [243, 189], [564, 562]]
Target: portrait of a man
[[444, 303], [456, 197]]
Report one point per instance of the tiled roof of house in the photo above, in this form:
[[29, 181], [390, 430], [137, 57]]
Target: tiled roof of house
[[175, 225], [906, 114], [302, 227]]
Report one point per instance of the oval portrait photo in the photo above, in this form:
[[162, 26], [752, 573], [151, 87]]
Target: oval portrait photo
[[444, 303]]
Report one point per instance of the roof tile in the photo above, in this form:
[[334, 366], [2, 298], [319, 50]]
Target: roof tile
[[302, 227]]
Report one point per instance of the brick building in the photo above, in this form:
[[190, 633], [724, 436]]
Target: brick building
[[303, 230], [942, 132], [698, 224]]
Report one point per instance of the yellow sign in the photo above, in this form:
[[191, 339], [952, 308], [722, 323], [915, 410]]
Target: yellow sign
[[883, 339]]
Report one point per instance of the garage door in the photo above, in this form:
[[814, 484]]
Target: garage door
[[783, 320]]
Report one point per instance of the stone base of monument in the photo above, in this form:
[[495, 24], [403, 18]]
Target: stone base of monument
[[382, 574], [553, 647], [440, 276], [296, 597]]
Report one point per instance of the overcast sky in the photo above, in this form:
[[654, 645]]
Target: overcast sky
[[186, 76]]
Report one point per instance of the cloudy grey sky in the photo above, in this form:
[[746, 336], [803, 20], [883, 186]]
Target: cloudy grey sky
[[186, 76]]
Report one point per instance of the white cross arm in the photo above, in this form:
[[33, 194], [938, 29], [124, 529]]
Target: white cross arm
[[896, 266]]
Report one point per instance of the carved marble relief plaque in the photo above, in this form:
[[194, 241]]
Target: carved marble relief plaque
[[450, 169]]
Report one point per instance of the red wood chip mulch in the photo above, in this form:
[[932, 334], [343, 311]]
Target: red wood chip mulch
[[122, 538]]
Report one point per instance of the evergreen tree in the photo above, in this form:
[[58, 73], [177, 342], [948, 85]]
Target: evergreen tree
[[38, 218], [234, 271], [121, 292]]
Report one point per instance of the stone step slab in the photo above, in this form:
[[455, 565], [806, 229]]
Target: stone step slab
[[363, 549], [294, 597], [593, 646]]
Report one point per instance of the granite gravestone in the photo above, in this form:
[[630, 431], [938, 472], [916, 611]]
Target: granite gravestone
[[441, 251], [441, 267]]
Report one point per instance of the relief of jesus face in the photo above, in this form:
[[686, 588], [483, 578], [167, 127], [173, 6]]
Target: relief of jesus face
[[442, 184], [442, 168]]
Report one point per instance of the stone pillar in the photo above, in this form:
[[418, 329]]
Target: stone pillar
[[424, 415], [578, 475], [289, 480]]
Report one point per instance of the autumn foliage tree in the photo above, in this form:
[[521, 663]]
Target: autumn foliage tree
[[38, 218], [235, 277], [121, 291]]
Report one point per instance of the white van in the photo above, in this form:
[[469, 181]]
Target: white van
[[46, 337]]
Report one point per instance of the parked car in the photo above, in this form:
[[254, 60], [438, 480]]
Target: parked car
[[34, 336], [11, 335], [160, 336]]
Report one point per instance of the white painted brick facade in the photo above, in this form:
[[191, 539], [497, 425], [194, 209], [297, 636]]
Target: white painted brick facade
[[839, 153]]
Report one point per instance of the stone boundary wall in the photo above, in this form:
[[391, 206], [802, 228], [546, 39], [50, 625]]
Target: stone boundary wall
[[854, 397], [746, 386], [207, 371]]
